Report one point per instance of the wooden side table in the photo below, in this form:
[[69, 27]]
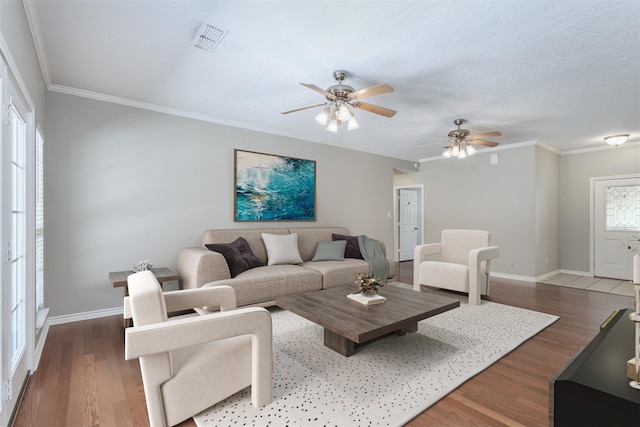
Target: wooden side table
[[119, 279]]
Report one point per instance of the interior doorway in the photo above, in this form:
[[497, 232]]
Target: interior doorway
[[409, 221], [615, 225]]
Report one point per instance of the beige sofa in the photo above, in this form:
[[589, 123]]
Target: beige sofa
[[199, 266]]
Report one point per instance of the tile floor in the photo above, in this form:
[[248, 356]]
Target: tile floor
[[598, 284]]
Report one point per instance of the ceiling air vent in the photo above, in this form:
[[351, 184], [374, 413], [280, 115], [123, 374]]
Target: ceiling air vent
[[208, 37]]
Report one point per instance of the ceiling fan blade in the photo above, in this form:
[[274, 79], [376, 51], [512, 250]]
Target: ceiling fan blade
[[374, 109], [482, 142], [319, 90], [370, 91], [304, 108], [484, 135]]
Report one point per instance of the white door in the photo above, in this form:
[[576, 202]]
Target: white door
[[16, 247], [408, 223], [616, 226]]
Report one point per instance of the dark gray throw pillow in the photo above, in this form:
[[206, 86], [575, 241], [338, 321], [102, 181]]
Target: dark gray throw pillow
[[353, 247], [238, 254]]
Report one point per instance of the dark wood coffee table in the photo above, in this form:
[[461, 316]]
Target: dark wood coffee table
[[348, 323]]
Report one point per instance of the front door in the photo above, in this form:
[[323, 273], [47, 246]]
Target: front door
[[616, 226], [408, 223]]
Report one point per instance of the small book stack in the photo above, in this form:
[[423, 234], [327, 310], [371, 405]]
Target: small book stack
[[375, 299]]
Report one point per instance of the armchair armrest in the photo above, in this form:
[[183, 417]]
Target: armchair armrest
[[171, 335], [420, 253], [218, 296], [166, 336], [476, 258], [197, 266], [222, 296]]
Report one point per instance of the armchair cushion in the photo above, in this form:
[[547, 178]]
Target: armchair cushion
[[238, 255], [434, 273]]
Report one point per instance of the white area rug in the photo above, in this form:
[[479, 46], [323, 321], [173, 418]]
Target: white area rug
[[387, 382]]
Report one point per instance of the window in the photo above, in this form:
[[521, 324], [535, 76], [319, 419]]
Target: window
[[17, 253], [622, 208], [39, 232]]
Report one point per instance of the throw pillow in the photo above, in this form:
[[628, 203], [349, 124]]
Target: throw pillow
[[353, 247], [330, 251], [238, 254], [282, 248]]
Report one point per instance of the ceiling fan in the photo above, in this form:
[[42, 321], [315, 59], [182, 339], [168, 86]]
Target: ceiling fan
[[462, 141], [340, 97]]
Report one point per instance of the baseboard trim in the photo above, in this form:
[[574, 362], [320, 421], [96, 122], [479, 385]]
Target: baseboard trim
[[513, 277], [87, 315], [577, 273], [540, 278], [545, 276]]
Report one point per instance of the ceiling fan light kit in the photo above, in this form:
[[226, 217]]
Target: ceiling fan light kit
[[461, 141], [617, 139], [323, 117], [340, 97]]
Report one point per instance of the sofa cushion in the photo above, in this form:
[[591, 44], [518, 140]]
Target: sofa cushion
[[336, 273], [264, 284], [282, 249], [330, 251], [238, 255], [353, 246]]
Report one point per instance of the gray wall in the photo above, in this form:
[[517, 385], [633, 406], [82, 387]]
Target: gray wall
[[575, 173], [15, 31], [125, 184], [473, 193], [534, 202], [547, 212]]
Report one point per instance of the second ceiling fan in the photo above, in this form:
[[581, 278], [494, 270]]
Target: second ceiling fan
[[462, 141], [340, 97]]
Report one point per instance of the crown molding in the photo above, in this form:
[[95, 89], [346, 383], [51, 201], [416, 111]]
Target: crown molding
[[605, 146], [38, 43], [499, 148]]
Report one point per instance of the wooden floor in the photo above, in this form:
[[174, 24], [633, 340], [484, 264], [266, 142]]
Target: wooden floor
[[83, 379]]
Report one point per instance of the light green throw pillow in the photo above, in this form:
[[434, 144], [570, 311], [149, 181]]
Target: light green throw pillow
[[330, 251]]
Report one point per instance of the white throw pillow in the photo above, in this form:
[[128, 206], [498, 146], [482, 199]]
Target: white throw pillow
[[282, 248]]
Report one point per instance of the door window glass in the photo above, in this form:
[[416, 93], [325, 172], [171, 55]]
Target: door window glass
[[622, 208]]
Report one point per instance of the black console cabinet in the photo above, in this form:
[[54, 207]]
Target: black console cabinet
[[593, 388]]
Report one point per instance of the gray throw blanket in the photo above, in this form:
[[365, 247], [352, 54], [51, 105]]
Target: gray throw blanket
[[371, 252]]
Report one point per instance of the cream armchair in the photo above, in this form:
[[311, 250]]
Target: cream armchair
[[463, 265], [190, 363]]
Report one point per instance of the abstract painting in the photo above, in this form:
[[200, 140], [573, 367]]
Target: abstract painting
[[274, 188]]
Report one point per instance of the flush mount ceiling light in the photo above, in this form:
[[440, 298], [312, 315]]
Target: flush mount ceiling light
[[340, 99], [617, 139], [208, 37]]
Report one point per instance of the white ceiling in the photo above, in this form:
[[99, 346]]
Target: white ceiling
[[562, 73]]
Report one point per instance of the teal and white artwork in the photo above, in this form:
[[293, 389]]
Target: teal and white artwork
[[274, 188]]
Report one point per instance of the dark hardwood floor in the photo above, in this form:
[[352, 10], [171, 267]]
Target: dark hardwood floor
[[83, 379]]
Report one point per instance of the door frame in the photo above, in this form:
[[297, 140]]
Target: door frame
[[9, 76], [592, 219], [396, 206]]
